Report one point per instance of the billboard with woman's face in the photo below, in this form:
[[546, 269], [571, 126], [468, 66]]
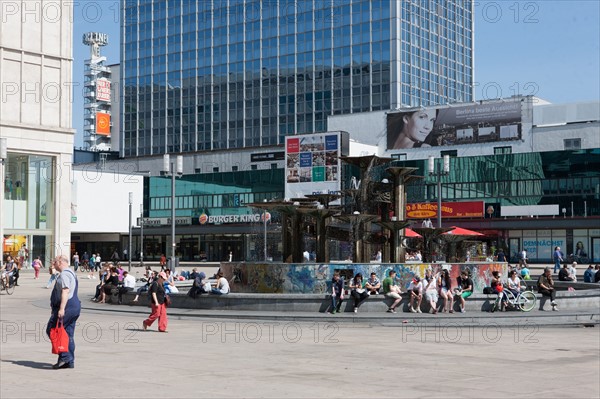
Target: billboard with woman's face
[[473, 123]]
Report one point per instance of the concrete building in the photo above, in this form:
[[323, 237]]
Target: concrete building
[[36, 121], [529, 169]]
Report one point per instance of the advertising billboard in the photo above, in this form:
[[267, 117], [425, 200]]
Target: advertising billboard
[[467, 209], [454, 125], [103, 90], [312, 163], [103, 123]]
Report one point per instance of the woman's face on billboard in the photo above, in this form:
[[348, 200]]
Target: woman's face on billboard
[[418, 125]]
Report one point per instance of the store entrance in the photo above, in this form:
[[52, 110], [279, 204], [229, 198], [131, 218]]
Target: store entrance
[[218, 247]]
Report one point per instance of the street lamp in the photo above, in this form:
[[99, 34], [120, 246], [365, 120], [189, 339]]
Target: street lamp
[[142, 234], [129, 247], [173, 169], [444, 172], [3, 157], [264, 217]]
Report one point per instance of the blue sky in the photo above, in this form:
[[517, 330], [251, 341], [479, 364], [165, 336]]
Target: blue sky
[[548, 48]]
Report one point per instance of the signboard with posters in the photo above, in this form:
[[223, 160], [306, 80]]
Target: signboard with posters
[[454, 125], [103, 90], [470, 209], [312, 163], [103, 123]]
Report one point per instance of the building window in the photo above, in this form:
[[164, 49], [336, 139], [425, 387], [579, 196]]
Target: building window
[[399, 157], [273, 166], [253, 167], [572, 144], [215, 169], [452, 153], [234, 168], [502, 150]]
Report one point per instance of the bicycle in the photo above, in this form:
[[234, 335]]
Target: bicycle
[[11, 285], [524, 301]]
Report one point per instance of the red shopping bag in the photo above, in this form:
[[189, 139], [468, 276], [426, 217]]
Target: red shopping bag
[[59, 338]]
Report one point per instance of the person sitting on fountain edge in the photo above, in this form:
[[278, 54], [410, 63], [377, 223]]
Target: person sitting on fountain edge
[[391, 290], [373, 284]]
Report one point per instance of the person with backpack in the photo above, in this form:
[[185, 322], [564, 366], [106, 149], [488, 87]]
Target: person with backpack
[[199, 286]]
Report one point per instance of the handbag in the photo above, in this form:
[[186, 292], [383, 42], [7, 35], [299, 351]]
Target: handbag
[[59, 338], [167, 300]]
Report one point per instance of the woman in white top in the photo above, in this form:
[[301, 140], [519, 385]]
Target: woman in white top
[[514, 283], [222, 287], [358, 293], [573, 271], [170, 283]]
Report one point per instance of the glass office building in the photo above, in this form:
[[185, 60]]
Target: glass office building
[[217, 75]]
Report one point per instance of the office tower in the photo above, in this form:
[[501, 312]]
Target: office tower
[[227, 74]]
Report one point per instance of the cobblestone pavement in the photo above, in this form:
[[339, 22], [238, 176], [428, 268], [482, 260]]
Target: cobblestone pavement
[[228, 358]]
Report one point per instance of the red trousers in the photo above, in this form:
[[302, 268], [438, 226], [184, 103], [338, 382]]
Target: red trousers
[[158, 312]]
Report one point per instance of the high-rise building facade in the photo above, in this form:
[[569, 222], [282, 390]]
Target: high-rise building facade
[[226, 74], [36, 82]]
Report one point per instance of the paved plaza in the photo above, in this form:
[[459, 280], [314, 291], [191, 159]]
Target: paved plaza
[[213, 357]]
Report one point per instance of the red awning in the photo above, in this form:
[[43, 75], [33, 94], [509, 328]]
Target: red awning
[[459, 231], [411, 233]]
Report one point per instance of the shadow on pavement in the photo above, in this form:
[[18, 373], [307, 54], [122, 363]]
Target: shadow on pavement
[[30, 364]]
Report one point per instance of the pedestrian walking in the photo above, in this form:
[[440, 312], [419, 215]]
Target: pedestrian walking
[[157, 301], [66, 307]]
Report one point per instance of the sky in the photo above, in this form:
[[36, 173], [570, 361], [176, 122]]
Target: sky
[[550, 49]]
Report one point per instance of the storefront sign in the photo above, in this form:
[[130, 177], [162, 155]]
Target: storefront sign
[[184, 220], [471, 209], [222, 219], [268, 156]]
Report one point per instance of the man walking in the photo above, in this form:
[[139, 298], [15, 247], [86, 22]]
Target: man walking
[[557, 259], [66, 307]]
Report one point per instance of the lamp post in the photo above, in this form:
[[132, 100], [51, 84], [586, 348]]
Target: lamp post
[[129, 247], [3, 157], [172, 169], [265, 232], [444, 172], [142, 234]]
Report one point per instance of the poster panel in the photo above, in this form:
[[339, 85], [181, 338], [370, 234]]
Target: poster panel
[[452, 125]]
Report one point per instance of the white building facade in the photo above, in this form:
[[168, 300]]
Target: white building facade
[[36, 125]]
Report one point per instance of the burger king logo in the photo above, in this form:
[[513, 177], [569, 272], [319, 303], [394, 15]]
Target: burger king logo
[[203, 218]]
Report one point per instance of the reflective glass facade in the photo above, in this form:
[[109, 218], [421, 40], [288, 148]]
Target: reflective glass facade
[[28, 211], [215, 75], [224, 193], [570, 179]]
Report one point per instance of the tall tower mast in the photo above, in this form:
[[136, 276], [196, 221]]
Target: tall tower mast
[[97, 102]]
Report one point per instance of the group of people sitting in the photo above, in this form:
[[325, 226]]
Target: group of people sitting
[[432, 287], [115, 280], [203, 286], [414, 256], [569, 273]]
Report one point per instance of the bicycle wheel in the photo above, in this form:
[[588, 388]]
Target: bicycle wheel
[[494, 305], [10, 288], [527, 300]]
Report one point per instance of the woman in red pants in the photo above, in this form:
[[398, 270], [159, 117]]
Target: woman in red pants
[[159, 309]]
